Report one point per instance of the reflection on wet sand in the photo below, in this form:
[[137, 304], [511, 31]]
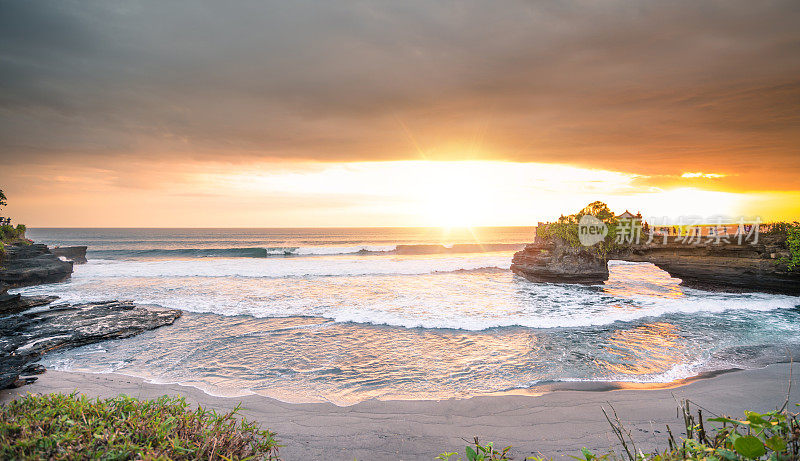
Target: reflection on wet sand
[[651, 348], [645, 350]]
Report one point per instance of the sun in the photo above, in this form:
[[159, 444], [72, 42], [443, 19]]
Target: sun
[[449, 211], [457, 200]]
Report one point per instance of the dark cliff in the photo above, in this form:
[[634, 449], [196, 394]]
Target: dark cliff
[[558, 262], [76, 254], [724, 266], [24, 265]]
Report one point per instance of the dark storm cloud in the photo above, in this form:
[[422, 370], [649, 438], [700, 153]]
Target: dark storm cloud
[[647, 87]]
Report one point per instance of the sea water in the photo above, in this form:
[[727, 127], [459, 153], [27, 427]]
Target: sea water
[[345, 315]]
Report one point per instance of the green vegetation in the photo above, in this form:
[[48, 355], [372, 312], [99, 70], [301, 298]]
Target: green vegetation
[[777, 228], [9, 233], [789, 235], [59, 426], [567, 229], [793, 245], [773, 436], [479, 453]]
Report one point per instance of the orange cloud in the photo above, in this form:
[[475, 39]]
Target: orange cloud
[[703, 175]]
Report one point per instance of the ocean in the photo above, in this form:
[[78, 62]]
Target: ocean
[[346, 315]]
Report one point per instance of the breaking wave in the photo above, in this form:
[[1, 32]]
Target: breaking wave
[[290, 267], [288, 251], [472, 293]]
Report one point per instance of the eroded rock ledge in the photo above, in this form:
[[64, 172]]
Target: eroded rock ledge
[[558, 262], [25, 265], [25, 337], [724, 266], [76, 254]]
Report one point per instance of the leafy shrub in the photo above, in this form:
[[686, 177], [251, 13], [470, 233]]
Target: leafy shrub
[[772, 436], [793, 244], [479, 453], [59, 426], [9, 232], [566, 229]]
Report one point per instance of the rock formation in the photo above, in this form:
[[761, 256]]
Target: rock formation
[[13, 304], [558, 262], [25, 265], [724, 266], [76, 254], [25, 337], [27, 333]]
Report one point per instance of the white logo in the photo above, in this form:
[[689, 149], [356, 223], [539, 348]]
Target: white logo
[[591, 230]]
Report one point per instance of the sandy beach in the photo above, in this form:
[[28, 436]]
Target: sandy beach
[[554, 424]]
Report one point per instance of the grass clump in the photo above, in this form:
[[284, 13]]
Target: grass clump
[[60, 426]]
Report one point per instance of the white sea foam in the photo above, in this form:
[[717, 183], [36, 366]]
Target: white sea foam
[[438, 294], [298, 251], [347, 315], [288, 267], [675, 373]]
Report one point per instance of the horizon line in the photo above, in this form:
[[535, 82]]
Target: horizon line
[[295, 227]]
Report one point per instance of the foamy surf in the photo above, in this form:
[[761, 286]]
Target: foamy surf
[[282, 268], [286, 251], [470, 294], [394, 314]]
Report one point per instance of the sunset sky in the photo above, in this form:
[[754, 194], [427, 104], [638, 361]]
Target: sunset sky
[[284, 114]]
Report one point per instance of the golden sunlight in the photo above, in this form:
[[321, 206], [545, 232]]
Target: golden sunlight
[[399, 193], [464, 193]]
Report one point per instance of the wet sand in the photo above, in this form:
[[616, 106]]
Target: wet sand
[[557, 423]]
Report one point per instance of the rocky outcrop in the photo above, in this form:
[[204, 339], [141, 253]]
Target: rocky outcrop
[[5, 298], [558, 262], [76, 254], [24, 265], [13, 304], [724, 266], [25, 337]]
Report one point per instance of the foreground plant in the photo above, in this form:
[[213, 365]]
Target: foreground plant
[[793, 245], [479, 453], [59, 426], [773, 436]]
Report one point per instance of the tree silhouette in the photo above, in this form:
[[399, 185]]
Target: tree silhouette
[[597, 209]]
